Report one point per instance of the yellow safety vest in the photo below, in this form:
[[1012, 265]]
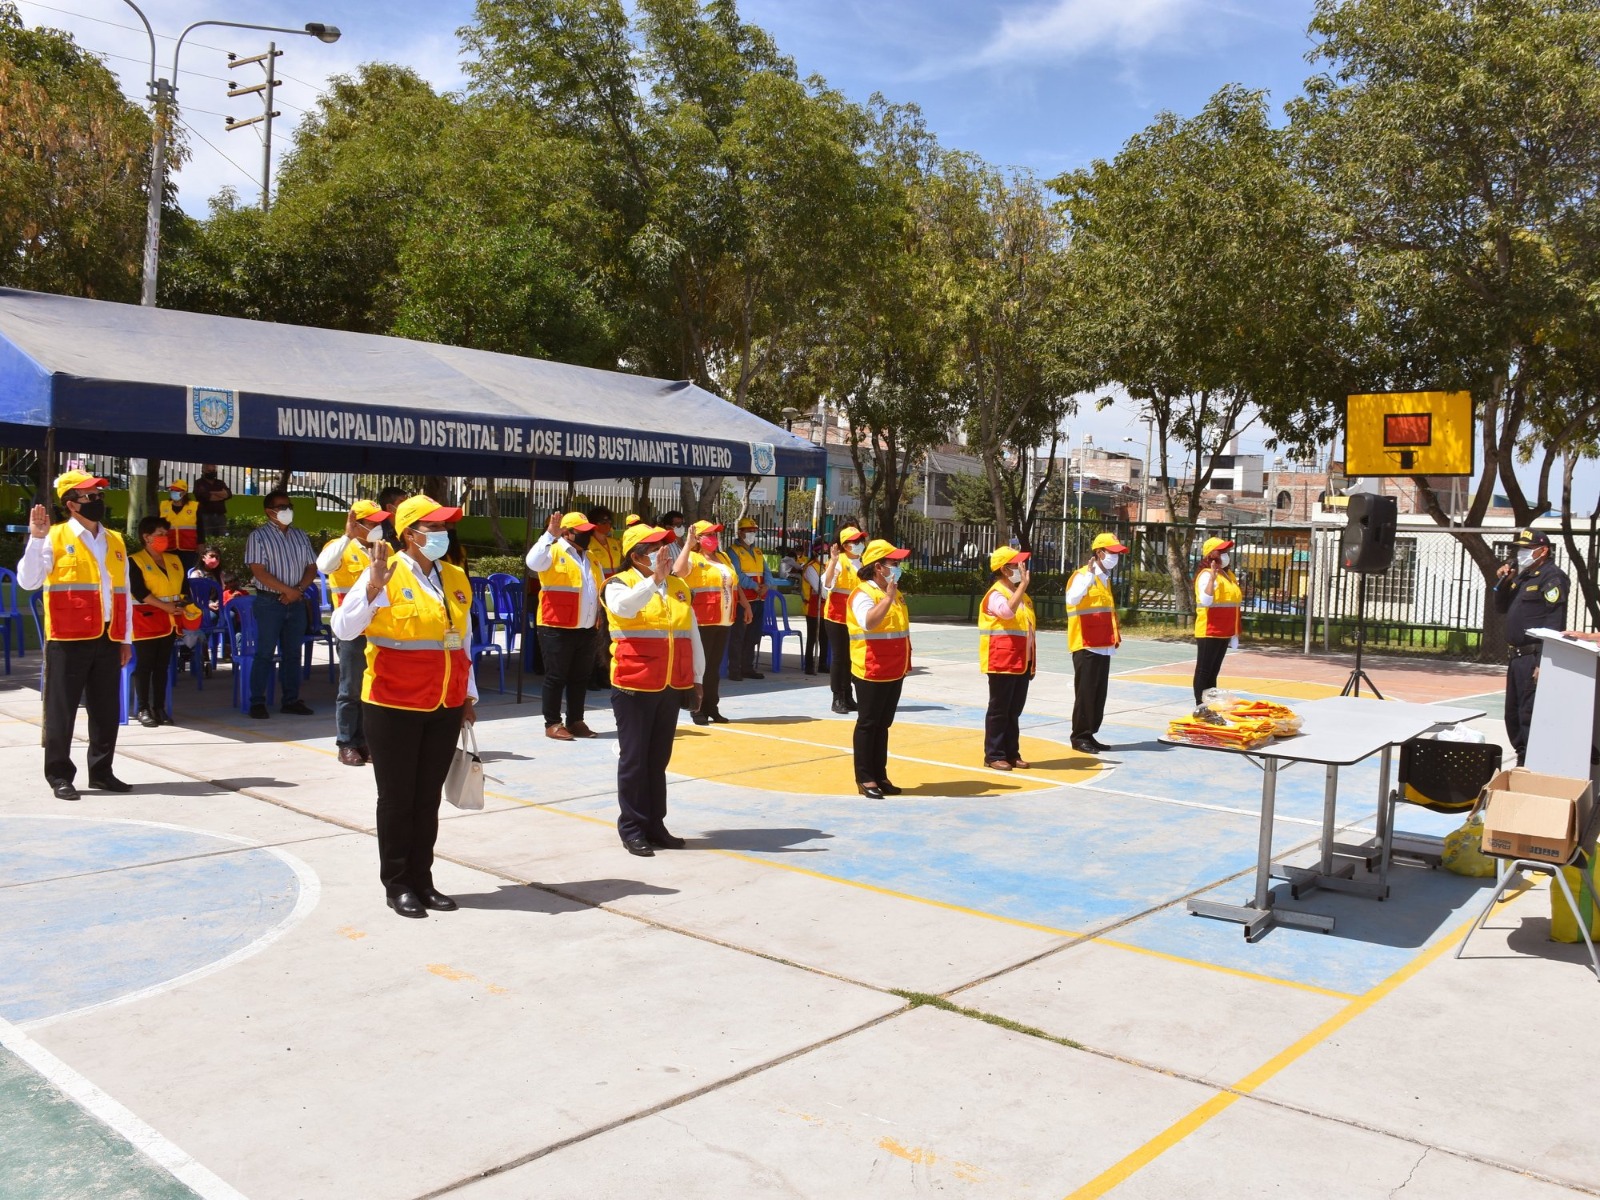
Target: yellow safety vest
[[418, 649], [352, 562], [880, 655], [711, 586], [561, 587], [752, 562], [844, 582], [1005, 646], [808, 594], [72, 611], [184, 520], [652, 650], [1222, 618], [1092, 622], [165, 582]]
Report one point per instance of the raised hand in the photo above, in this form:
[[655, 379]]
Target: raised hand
[[553, 525], [378, 574], [38, 521]]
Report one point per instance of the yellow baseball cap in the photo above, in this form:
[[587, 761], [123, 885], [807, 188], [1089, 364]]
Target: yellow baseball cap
[[576, 520], [1215, 544], [747, 523], [71, 481], [1004, 555], [422, 508], [630, 520], [641, 534], [702, 528], [880, 549], [178, 485], [1108, 541], [850, 534], [366, 510]]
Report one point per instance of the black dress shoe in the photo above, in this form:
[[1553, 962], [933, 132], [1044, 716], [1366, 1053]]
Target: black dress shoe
[[839, 706], [147, 718], [1084, 746], [164, 717], [109, 783], [296, 708], [717, 718], [408, 904], [699, 718], [437, 901], [735, 678], [853, 706], [638, 846], [754, 675], [259, 712], [889, 789], [1099, 746], [63, 789], [870, 790], [665, 841]]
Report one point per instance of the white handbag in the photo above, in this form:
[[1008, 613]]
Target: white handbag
[[463, 786]]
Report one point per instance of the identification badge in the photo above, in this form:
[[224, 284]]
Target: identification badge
[[452, 640]]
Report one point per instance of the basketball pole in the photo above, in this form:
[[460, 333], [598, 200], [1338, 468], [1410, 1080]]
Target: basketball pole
[[1352, 686]]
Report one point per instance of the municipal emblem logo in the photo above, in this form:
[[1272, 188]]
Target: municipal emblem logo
[[213, 412], [763, 459], [461, 596], [406, 592]]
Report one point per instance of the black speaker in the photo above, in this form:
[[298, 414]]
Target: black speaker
[[1368, 544]]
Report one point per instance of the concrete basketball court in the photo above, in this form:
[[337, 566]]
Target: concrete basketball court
[[988, 986]]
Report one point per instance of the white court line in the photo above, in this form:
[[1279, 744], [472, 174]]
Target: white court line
[[310, 894]]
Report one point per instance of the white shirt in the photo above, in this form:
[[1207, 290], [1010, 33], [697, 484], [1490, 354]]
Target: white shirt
[[38, 557], [333, 553], [627, 601], [1077, 589], [543, 556], [861, 604], [1203, 596], [350, 619]]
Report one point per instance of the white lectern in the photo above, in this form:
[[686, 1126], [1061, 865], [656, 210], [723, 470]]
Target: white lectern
[[1566, 716]]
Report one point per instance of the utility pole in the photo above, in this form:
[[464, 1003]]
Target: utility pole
[[268, 63]]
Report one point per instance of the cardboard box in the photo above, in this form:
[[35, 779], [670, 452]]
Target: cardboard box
[[1534, 816]]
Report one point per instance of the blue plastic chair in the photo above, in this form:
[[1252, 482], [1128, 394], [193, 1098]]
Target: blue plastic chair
[[484, 602], [483, 640], [205, 593], [11, 617], [778, 608], [239, 617], [319, 633], [505, 596]]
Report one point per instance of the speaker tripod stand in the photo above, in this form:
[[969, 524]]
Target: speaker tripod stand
[[1352, 685]]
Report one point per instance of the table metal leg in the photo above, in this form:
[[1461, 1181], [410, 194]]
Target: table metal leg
[[1262, 914]]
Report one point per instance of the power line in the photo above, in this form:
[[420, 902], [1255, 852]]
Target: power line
[[220, 154]]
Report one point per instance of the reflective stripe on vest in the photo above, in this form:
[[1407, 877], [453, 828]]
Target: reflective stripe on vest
[[408, 665], [561, 587], [651, 650], [1092, 623], [150, 622], [72, 611], [343, 577], [1004, 642], [844, 582], [1221, 619], [880, 655], [710, 590]]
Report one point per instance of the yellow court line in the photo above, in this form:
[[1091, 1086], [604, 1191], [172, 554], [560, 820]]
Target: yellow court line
[[1120, 1172], [1218, 967]]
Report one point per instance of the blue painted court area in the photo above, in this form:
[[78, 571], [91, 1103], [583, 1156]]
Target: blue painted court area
[[96, 910]]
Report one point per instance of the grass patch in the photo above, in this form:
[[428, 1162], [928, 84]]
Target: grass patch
[[922, 999]]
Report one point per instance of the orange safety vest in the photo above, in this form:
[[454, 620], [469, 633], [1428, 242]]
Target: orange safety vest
[[165, 582], [809, 595], [1221, 619], [880, 655], [417, 647], [711, 585], [561, 587], [352, 562], [844, 582], [184, 522], [72, 611], [652, 650], [1005, 645], [1092, 622]]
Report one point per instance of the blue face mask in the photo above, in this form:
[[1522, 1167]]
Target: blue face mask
[[436, 544], [894, 573]]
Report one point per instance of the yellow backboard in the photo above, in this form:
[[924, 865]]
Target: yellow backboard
[[1409, 433]]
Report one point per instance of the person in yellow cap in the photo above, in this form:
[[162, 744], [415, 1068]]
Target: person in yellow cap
[[755, 580], [181, 511], [88, 627], [570, 579], [1217, 597], [719, 605], [879, 629], [632, 519], [1093, 637], [839, 581], [656, 662], [161, 605], [415, 613], [343, 560], [1007, 655]]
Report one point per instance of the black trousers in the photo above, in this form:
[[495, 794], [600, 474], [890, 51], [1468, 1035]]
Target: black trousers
[[1091, 675], [1008, 695], [714, 640], [1208, 655], [568, 664], [152, 659], [647, 722], [816, 646], [744, 639], [1519, 702], [411, 755], [839, 676], [88, 671], [878, 703]]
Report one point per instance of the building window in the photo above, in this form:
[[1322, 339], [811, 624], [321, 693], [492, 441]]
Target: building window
[[1285, 501]]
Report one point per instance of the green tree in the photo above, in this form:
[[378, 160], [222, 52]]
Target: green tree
[[1458, 144], [74, 161]]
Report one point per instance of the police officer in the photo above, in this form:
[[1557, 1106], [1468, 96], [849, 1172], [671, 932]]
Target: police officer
[[1532, 595]]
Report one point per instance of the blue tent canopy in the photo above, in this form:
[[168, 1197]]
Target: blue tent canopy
[[156, 383]]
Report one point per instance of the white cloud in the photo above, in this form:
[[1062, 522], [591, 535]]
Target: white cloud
[[1065, 29]]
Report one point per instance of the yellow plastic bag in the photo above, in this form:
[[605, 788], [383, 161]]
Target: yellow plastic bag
[[1463, 850], [1563, 925]]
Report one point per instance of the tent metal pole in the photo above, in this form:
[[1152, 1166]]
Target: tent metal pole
[[527, 547], [47, 464]]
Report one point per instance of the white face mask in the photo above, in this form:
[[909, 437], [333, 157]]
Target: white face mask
[[375, 535], [749, 539], [1224, 559], [677, 533], [1524, 559], [1108, 563], [1013, 575], [285, 516], [854, 549]]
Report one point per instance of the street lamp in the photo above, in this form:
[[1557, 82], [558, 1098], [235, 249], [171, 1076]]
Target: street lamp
[[790, 413], [162, 95]]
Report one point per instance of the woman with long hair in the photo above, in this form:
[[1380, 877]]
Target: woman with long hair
[[1216, 613]]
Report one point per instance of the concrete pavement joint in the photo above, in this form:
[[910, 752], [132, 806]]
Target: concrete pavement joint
[[921, 999]]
